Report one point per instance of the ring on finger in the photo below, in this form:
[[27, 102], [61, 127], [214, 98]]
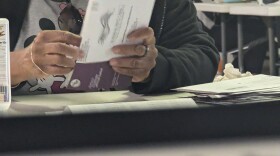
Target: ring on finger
[[147, 49]]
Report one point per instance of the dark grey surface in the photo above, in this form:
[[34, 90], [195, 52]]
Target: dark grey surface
[[139, 128]]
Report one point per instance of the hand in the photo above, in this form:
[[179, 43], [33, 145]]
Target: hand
[[142, 61], [51, 53]]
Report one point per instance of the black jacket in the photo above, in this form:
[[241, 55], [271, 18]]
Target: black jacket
[[187, 55]]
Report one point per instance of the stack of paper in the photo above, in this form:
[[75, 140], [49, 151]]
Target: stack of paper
[[252, 89]]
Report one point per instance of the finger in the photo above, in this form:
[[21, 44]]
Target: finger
[[139, 79], [63, 49], [142, 73], [56, 70], [150, 41], [146, 34], [60, 60], [49, 36], [136, 63], [129, 50], [135, 50]]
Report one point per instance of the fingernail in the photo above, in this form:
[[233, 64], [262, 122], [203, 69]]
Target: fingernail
[[69, 57], [113, 62], [116, 50]]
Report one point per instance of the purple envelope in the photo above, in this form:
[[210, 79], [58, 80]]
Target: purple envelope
[[97, 77]]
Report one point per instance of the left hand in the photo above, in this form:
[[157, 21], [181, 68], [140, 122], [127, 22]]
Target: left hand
[[140, 65]]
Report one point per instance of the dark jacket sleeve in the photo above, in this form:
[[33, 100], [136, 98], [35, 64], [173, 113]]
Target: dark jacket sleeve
[[187, 55]]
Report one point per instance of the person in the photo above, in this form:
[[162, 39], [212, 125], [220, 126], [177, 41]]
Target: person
[[179, 53], [254, 37]]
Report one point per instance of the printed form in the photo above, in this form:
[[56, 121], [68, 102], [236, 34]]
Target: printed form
[[257, 83], [108, 23]]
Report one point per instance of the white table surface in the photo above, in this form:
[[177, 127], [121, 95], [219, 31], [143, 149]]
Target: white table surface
[[215, 7], [54, 104], [256, 10], [250, 8]]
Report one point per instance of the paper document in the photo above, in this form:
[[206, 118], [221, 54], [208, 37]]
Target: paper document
[[247, 90], [108, 22], [257, 83], [132, 106], [5, 78]]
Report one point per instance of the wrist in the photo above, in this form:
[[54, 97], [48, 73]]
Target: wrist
[[19, 72]]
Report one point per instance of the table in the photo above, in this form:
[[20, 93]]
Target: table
[[268, 146], [243, 9], [268, 12], [101, 130], [55, 104], [145, 127], [223, 9]]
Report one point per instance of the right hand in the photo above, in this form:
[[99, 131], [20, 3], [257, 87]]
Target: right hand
[[54, 52]]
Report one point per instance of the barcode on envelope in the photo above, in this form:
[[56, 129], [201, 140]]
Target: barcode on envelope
[[3, 93]]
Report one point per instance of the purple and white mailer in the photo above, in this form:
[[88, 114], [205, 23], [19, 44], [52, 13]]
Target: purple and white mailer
[[97, 77]]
